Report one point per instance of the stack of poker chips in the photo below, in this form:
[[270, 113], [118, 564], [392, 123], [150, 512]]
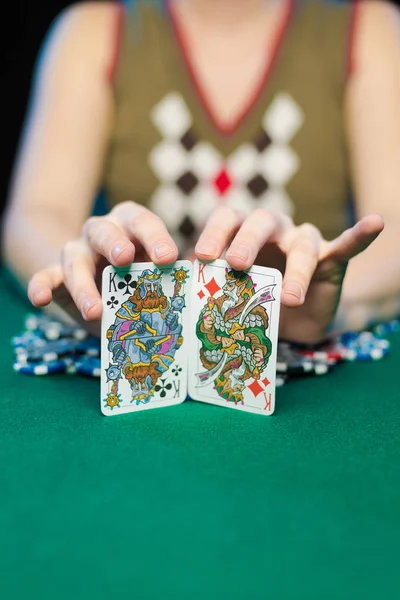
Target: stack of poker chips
[[296, 360], [48, 346]]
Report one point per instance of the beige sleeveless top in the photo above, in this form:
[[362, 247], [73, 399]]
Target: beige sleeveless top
[[286, 152]]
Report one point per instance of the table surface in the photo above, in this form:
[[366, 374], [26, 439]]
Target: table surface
[[197, 501]]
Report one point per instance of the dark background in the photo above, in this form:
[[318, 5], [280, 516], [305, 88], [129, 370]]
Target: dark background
[[24, 25]]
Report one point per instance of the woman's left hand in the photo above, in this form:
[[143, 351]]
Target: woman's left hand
[[313, 267]]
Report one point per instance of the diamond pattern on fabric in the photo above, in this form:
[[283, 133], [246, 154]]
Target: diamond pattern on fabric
[[171, 116], [187, 182], [243, 162], [189, 140], [168, 160], [262, 141], [205, 160], [187, 227], [222, 182], [279, 165], [257, 186], [283, 119], [195, 178]]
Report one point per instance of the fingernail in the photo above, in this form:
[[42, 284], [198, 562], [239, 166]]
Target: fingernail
[[294, 289], [242, 252], [207, 247], [116, 251], [37, 296], [87, 305], [162, 250]]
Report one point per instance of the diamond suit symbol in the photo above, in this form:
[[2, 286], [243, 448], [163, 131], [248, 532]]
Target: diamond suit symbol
[[212, 287], [255, 388]]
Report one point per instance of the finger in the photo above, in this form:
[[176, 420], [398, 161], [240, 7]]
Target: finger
[[302, 253], [78, 273], [109, 239], [258, 228], [42, 284], [149, 230], [356, 239], [218, 231]]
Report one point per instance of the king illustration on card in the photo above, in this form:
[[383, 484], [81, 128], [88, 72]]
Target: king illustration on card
[[236, 336], [144, 337]]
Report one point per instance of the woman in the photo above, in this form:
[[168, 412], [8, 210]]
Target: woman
[[213, 124]]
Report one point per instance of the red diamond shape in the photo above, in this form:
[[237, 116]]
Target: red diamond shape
[[212, 286], [255, 387], [266, 381], [222, 182], [201, 294]]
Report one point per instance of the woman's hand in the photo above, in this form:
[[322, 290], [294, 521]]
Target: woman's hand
[[128, 232], [313, 267]]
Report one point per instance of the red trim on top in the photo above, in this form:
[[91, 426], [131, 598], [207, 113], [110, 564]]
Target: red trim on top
[[255, 96], [116, 43], [351, 61]]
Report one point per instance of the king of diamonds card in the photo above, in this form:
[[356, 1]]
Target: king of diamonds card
[[235, 316], [144, 336]]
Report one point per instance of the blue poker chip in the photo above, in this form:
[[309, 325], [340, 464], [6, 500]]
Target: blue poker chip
[[31, 339], [57, 330], [364, 346], [89, 366], [54, 329], [89, 347], [48, 352], [387, 328], [65, 365]]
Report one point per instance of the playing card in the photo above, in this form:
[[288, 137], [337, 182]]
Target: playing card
[[145, 330], [235, 316]]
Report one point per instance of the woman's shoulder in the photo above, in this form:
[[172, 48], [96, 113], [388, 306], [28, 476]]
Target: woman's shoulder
[[85, 31]]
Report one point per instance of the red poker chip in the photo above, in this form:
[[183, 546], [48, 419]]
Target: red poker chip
[[334, 352]]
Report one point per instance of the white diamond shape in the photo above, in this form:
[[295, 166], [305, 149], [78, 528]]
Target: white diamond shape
[[283, 118], [241, 200], [168, 160], [279, 164], [171, 116], [277, 201], [205, 161], [201, 204], [243, 164], [170, 205]]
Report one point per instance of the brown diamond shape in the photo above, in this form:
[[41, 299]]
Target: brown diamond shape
[[189, 140], [187, 228], [187, 182], [262, 141], [257, 185]]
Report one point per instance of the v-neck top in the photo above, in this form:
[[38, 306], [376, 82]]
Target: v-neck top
[[285, 152]]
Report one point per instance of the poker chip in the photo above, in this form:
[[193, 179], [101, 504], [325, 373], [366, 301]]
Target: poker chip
[[54, 329], [364, 346], [331, 352], [44, 368], [50, 346], [387, 328], [48, 352], [280, 380], [292, 363], [89, 366], [55, 332], [28, 339], [88, 347]]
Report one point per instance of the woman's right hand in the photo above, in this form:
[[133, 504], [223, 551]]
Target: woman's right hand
[[129, 232]]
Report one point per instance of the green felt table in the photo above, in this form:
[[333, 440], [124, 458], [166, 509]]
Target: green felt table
[[197, 501]]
